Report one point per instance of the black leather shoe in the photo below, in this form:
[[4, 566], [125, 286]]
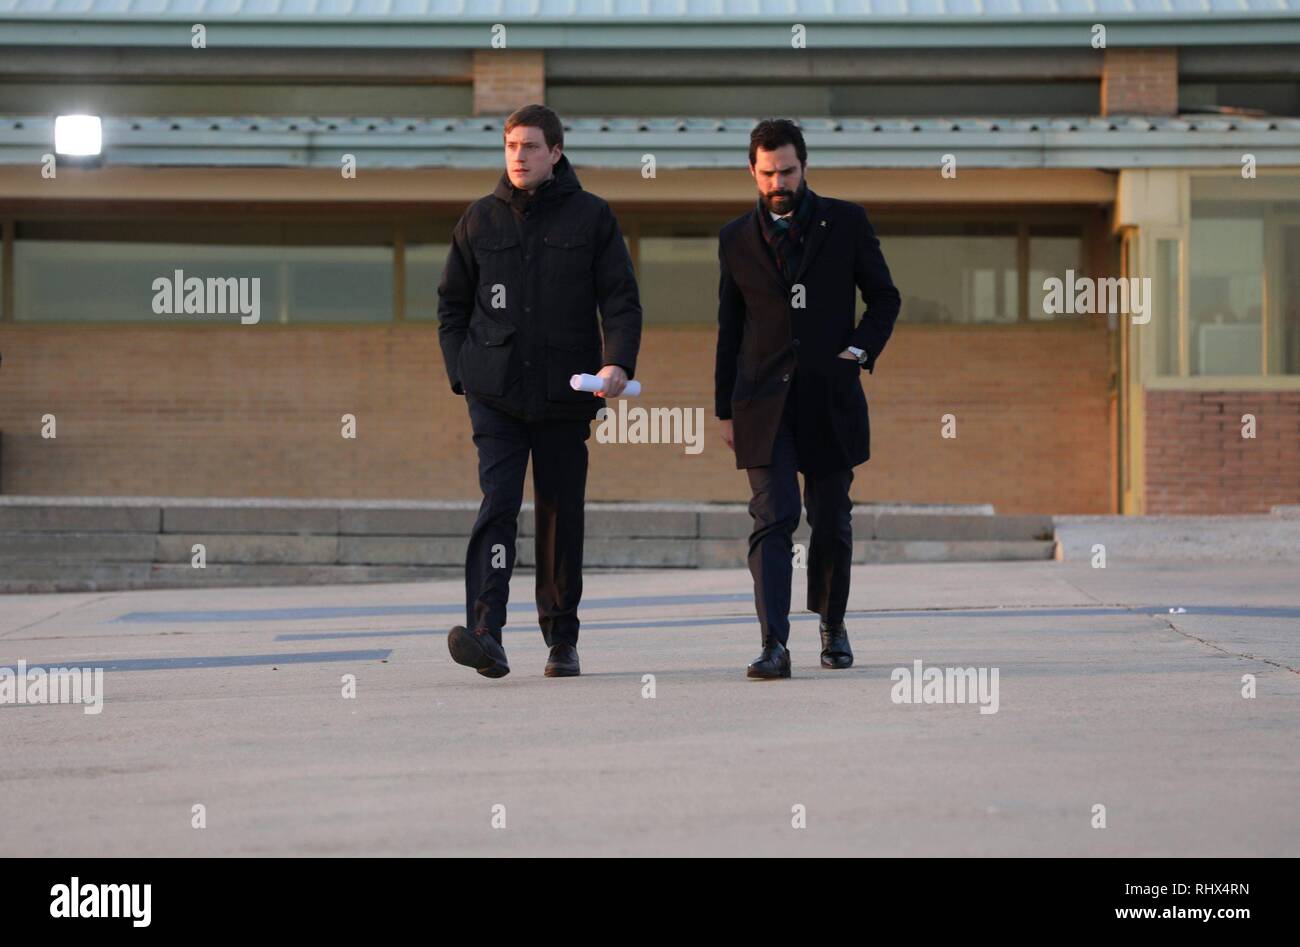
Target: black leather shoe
[[836, 653], [478, 649], [563, 661], [774, 662]]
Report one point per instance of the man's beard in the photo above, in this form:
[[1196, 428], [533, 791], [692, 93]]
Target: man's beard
[[783, 202]]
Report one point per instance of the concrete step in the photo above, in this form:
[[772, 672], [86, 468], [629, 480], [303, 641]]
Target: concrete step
[[46, 576], [720, 554], [76, 547], [75, 543]]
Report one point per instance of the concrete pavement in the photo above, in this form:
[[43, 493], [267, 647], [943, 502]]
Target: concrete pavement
[[232, 699]]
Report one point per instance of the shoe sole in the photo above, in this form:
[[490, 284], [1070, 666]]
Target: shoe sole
[[763, 676], [837, 667], [558, 672], [465, 650]]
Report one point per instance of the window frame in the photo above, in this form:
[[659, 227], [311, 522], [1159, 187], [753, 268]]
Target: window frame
[[1179, 229]]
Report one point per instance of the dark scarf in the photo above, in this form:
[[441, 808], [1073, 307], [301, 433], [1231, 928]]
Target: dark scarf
[[786, 237]]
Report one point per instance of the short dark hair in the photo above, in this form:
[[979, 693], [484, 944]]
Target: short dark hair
[[771, 133], [537, 116]]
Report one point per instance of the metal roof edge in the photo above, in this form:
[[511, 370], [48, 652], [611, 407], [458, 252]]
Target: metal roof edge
[[1084, 142], [1138, 29]]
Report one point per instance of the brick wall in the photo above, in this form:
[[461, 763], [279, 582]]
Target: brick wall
[[1139, 82], [255, 411], [1198, 462], [507, 79]]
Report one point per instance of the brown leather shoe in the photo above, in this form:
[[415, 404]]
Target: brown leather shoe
[[563, 662]]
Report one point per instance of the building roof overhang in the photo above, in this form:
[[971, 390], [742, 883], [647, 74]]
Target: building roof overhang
[[476, 143]]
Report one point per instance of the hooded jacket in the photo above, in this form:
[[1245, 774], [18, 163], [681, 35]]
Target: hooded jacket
[[517, 304]]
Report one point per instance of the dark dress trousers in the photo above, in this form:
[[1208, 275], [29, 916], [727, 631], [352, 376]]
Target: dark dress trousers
[[517, 309], [794, 404]]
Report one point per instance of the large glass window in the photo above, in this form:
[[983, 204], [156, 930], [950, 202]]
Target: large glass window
[[125, 271], [971, 273], [1242, 311], [340, 271], [1226, 295], [966, 277], [946, 273]]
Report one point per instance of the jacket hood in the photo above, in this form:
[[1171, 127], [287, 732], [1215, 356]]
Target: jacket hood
[[564, 181]]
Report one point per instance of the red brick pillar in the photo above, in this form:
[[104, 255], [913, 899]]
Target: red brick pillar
[[1139, 82], [507, 79]]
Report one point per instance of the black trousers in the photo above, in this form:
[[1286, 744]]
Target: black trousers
[[559, 452], [775, 510]]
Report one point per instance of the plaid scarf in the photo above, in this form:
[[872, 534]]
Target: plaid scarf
[[785, 236]]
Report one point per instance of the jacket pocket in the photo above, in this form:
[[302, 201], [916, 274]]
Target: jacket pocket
[[742, 392], [484, 363], [497, 259], [499, 244], [563, 361], [566, 241], [854, 366], [568, 254]]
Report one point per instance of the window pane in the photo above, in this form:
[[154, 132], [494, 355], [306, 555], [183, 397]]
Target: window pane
[[679, 279], [424, 265], [1052, 256], [954, 278], [338, 284], [1243, 258], [93, 281], [1288, 350], [1225, 316], [74, 280]]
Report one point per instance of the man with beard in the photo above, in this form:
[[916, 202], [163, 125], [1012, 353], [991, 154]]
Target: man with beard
[[786, 381]]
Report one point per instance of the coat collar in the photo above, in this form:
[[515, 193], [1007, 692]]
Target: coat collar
[[819, 225]]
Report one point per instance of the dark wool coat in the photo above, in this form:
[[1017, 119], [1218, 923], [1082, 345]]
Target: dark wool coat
[[768, 334]]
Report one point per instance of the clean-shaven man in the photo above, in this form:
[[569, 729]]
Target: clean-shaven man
[[528, 267], [786, 382]]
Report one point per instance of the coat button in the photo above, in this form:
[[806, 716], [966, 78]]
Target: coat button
[[785, 377], [527, 364], [795, 343]]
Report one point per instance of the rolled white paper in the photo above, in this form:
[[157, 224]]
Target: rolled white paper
[[595, 383]]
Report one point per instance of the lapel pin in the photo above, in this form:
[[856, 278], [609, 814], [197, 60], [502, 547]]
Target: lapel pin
[[823, 223]]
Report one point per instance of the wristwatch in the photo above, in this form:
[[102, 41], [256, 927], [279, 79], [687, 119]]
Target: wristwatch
[[859, 353]]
